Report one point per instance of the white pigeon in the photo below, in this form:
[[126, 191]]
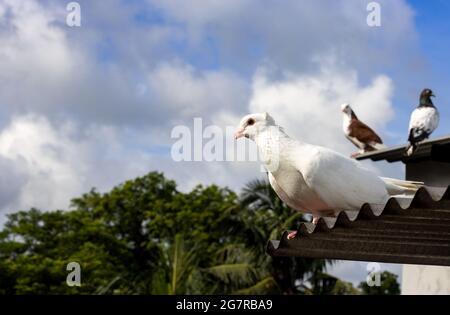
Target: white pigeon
[[424, 120], [313, 179]]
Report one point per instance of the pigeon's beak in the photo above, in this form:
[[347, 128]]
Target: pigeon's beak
[[432, 95], [239, 133]]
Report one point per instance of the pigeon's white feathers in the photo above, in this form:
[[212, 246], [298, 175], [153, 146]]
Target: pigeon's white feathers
[[339, 181], [400, 187], [424, 118]]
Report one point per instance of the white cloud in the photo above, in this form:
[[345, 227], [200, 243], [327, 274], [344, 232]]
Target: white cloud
[[34, 54], [29, 41], [188, 93], [45, 166], [101, 96], [308, 106], [53, 165], [291, 34], [12, 179], [45, 71]]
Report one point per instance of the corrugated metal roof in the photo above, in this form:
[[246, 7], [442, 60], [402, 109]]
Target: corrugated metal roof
[[438, 149], [406, 230]]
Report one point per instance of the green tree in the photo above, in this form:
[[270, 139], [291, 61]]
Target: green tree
[[344, 288], [35, 248], [389, 285], [146, 237]]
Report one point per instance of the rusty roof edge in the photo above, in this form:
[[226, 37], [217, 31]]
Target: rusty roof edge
[[424, 197]]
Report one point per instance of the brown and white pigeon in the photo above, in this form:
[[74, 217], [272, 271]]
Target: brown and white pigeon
[[361, 135], [424, 120]]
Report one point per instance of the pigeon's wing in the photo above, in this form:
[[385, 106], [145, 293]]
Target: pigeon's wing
[[424, 120], [363, 133], [356, 142], [283, 196], [339, 181]]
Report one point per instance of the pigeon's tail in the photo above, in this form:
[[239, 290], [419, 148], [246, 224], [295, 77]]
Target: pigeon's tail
[[416, 135], [410, 149], [398, 186]]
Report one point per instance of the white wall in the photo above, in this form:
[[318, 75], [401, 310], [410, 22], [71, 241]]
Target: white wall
[[425, 279]]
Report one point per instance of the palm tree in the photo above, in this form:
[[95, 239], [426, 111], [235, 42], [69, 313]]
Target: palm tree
[[234, 271], [263, 202], [173, 273], [240, 265], [239, 271], [273, 218], [178, 264]]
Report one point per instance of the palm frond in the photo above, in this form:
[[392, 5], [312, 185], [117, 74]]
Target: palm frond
[[263, 286], [105, 289], [242, 273], [182, 262]]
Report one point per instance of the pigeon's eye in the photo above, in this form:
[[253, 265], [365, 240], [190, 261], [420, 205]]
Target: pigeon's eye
[[250, 122]]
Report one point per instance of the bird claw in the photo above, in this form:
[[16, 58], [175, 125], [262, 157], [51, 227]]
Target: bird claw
[[292, 235], [355, 155]]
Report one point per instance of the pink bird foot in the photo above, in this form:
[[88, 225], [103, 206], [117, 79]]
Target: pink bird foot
[[355, 155], [292, 235]]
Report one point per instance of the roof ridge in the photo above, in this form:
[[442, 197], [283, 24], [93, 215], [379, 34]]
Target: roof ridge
[[425, 196]]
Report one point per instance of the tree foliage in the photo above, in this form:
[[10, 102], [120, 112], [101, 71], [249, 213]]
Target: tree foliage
[[146, 237], [388, 285]]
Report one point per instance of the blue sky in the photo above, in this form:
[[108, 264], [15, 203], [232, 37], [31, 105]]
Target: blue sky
[[92, 106], [432, 23]]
